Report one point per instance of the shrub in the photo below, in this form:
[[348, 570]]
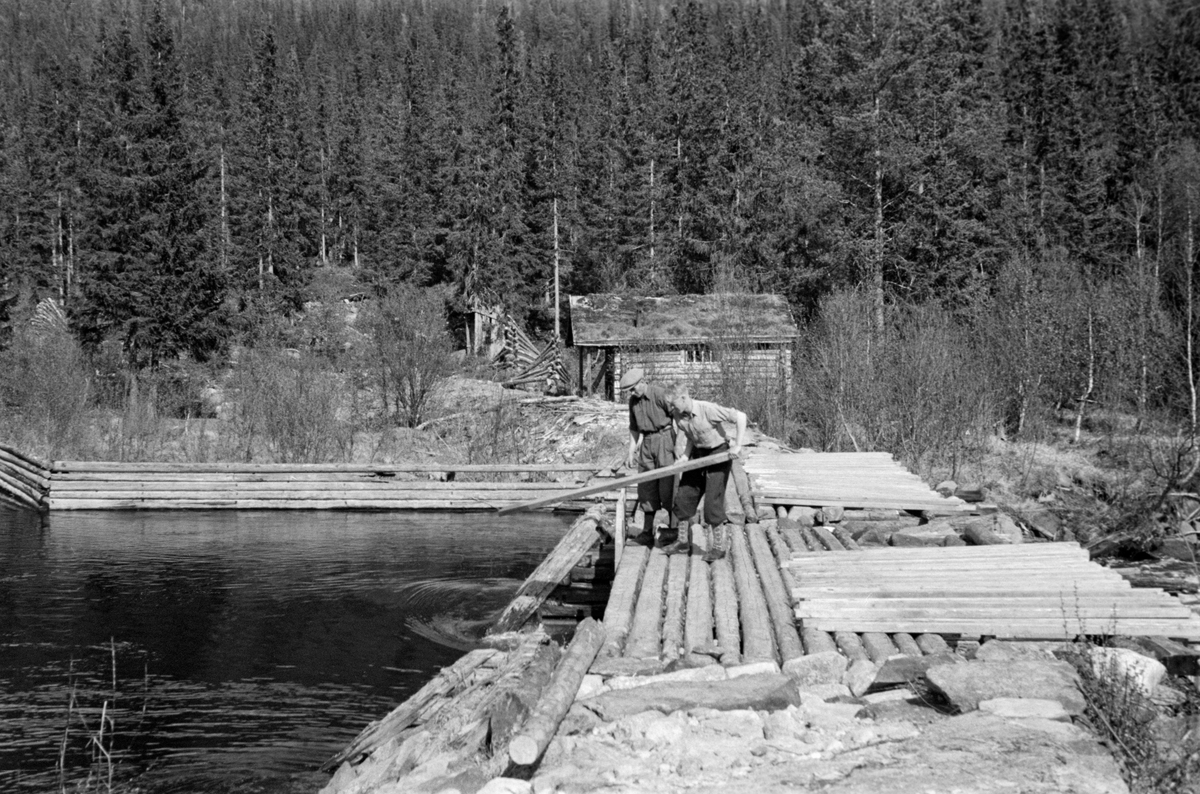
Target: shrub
[[45, 381], [408, 350], [287, 407]]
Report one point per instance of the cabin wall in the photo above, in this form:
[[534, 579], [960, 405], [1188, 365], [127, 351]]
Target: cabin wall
[[704, 372]]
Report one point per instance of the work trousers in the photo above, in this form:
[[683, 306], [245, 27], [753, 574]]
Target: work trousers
[[710, 483], [657, 451]]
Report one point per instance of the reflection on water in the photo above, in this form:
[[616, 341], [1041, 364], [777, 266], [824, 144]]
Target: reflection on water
[[248, 646]]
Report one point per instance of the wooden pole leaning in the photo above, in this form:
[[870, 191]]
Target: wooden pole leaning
[[621, 482]]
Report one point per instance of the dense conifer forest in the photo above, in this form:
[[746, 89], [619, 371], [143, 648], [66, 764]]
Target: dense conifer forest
[[1023, 174]]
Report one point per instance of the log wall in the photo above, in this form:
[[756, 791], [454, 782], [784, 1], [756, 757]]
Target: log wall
[[689, 366], [102, 485]]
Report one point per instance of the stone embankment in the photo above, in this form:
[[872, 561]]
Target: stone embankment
[[1004, 720]]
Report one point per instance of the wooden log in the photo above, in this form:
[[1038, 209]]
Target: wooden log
[[725, 612], [849, 644], [779, 602], [698, 625], [582, 535], [23, 469], [673, 628], [378, 732], [257, 487], [517, 697], [794, 539], [1027, 628], [618, 615], [879, 646], [19, 491], [742, 487], [907, 644], [816, 641], [288, 504], [33, 461], [843, 537], [827, 539], [528, 745], [645, 633], [623, 482], [619, 527], [76, 466], [758, 642], [810, 541], [782, 554]]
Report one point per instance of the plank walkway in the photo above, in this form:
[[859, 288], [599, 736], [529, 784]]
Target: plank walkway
[[868, 480]]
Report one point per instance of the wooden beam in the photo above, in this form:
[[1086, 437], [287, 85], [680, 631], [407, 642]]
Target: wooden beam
[[579, 538], [621, 482]]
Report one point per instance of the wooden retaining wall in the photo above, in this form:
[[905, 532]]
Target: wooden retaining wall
[[95, 485]]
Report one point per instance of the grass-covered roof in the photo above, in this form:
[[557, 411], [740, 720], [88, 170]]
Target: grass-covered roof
[[601, 320]]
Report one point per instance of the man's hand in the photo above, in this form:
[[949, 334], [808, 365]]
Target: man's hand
[[735, 450], [681, 459], [630, 461]]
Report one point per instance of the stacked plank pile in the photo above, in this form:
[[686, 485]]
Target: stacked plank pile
[[23, 478], [864, 480], [1026, 591], [90, 485]]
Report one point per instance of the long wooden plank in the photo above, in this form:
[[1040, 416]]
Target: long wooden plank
[[622, 482], [955, 552], [865, 590], [461, 493], [818, 609], [1047, 628], [582, 535]]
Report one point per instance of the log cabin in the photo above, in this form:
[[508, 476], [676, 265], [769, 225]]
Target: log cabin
[[702, 341]]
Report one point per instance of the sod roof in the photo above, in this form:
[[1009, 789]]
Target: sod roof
[[601, 320]]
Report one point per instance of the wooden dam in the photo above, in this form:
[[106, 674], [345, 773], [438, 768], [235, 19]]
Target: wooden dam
[[796, 582]]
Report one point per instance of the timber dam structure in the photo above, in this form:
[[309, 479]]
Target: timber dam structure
[[834, 556]]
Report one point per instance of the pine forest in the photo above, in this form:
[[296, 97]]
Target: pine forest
[[990, 206]]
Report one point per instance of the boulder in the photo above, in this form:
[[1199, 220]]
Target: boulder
[[903, 670], [761, 692], [946, 487], [966, 685], [860, 675], [752, 668], [1142, 672], [826, 667]]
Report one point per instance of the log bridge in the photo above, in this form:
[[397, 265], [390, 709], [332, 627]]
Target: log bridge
[[795, 582]]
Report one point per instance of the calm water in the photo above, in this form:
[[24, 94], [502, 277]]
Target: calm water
[[248, 646]]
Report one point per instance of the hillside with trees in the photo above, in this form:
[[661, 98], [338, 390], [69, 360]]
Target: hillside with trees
[[984, 212]]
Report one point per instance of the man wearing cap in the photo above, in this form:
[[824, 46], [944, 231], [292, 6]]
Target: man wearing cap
[[652, 446], [703, 431]]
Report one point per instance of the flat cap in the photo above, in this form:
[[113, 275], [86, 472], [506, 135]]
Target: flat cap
[[632, 377]]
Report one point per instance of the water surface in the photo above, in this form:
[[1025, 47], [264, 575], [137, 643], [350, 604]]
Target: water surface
[[246, 647]]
